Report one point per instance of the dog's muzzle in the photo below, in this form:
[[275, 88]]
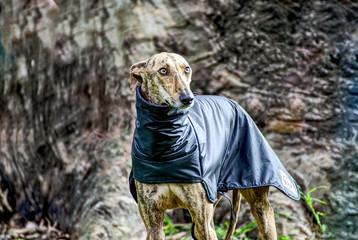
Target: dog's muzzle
[[186, 99]]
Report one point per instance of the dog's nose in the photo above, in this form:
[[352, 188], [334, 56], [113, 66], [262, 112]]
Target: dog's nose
[[186, 99]]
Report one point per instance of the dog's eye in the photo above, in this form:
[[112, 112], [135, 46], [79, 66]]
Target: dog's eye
[[187, 70], [163, 71]]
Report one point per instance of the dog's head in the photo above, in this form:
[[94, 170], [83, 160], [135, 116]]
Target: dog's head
[[164, 79]]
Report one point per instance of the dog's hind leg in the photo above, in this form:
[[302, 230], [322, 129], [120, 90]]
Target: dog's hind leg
[[236, 201], [262, 211], [152, 204], [219, 196]]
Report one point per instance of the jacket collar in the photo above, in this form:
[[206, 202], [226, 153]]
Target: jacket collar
[[158, 112], [162, 132]]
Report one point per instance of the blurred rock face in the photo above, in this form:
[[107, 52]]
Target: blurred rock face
[[65, 92], [66, 120]]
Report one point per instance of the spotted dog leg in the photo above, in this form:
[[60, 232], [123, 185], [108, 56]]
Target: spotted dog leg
[[152, 201], [194, 198], [262, 211]]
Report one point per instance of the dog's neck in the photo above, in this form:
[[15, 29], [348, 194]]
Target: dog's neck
[[148, 96], [160, 127]]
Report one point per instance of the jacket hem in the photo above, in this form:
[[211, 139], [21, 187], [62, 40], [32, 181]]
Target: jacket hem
[[225, 188], [167, 180]]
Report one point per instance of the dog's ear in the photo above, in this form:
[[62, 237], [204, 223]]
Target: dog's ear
[[136, 72]]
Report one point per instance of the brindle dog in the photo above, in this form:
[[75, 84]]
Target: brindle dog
[[164, 79]]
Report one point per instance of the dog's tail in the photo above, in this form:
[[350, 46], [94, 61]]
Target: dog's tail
[[236, 201]]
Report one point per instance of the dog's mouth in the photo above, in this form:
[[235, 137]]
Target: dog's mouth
[[182, 103], [178, 105], [183, 106]]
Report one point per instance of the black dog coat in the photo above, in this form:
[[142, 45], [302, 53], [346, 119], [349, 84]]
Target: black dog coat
[[214, 142]]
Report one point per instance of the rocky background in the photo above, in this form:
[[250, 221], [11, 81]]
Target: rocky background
[[66, 110]]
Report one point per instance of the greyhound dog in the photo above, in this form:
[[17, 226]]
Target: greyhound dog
[[163, 80]]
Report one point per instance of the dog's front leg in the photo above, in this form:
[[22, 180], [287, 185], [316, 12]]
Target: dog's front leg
[[193, 198], [152, 201], [262, 211]]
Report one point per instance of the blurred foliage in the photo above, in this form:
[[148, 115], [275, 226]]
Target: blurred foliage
[[317, 214]]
